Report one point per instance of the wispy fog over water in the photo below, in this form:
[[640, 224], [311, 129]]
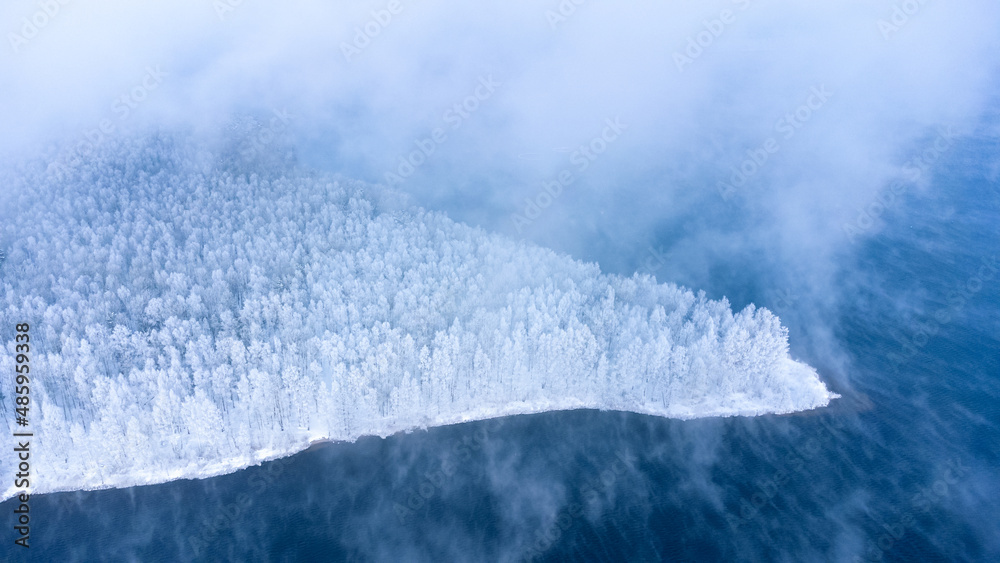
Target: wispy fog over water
[[900, 469], [836, 164]]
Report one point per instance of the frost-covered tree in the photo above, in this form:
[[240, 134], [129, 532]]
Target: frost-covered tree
[[187, 320]]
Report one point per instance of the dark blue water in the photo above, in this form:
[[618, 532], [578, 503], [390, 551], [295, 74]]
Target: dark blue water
[[903, 468]]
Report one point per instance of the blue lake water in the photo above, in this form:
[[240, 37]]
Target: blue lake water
[[903, 468]]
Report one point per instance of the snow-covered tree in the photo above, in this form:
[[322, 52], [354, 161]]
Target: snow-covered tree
[[188, 320]]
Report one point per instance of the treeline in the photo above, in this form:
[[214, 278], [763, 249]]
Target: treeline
[[185, 315]]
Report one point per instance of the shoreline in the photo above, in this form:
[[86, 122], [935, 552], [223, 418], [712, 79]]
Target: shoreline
[[314, 442]]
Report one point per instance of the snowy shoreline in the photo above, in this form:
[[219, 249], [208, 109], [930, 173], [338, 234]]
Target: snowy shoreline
[[234, 465], [191, 319]]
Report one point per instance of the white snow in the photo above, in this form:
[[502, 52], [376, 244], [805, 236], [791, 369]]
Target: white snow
[[188, 322]]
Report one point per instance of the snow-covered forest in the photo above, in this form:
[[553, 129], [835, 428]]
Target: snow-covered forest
[[189, 319]]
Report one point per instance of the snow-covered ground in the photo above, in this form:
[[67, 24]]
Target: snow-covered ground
[[189, 320]]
